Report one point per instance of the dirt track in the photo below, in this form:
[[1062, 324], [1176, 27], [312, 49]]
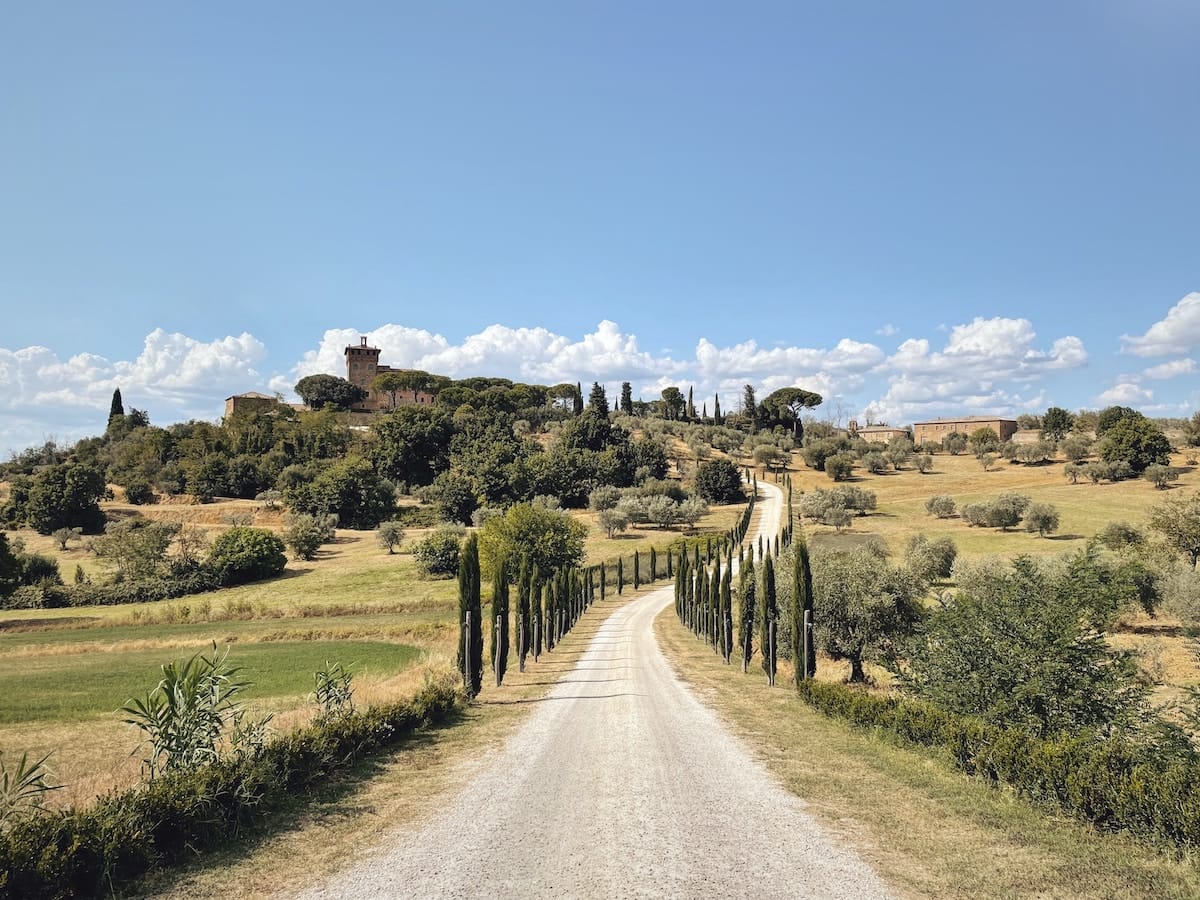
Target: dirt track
[[620, 784]]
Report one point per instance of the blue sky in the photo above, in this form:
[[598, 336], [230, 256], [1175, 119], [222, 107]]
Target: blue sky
[[917, 209]]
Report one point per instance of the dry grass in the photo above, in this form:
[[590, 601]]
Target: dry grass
[[927, 829], [335, 831]]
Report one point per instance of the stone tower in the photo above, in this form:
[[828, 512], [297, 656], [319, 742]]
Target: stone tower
[[362, 364]]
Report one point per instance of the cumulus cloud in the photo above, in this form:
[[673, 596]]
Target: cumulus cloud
[[1125, 393], [1172, 369], [888, 330], [1174, 335], [986, 366], [174, 376]]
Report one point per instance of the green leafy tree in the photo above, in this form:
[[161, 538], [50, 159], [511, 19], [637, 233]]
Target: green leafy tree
[[983, 439], [1111, 415], [626, 398], [800, 603], [350, 489], [1018, 649], [1160, 476], [1136, 441], [66, 495], [136, 548], [769, 620], [673, 403], [862, 606], [1178, 521], [304, 534], [719, 481], [390, 535], [718, 419], [598, 400], [549, 538], [244, 554], [786, 404], [1056, 423], [437, 553], [1042, 518], [318, 391], [499, 627], [412, 445], [10, 567], [470, 637]]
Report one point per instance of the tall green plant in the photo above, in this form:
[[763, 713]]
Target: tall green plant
[[183, 717], [23, 788], [523, 623], [747, 588], [770, 617], [499, 629], [800, 603], [333, 692], [470, 640]]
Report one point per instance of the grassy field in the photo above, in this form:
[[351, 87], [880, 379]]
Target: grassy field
[[929, 830], [64, 672]]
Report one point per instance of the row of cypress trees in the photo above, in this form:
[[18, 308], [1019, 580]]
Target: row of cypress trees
[[703, 599], [549, 604]]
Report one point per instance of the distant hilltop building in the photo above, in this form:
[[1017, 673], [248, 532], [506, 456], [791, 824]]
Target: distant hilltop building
[[934, 430], [881, 433], [251, 402], [362, 365]]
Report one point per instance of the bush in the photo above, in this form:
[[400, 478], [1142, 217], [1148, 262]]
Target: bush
[[940, 505], [245, 554], [437, 553], [139, 492], [96, 851], [840, 466], [304, 534], [719, 481]]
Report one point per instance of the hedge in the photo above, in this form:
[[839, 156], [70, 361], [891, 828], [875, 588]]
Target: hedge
[[167, 587], [92, 852], [1113, 783]]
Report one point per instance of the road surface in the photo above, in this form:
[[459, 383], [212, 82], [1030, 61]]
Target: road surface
[[620, 784]]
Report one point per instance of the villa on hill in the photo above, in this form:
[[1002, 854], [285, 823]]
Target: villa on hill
[[362, 365], [934, 430]]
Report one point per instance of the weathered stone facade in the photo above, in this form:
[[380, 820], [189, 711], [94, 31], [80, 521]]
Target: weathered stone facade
[[362, 365], [935, 429]]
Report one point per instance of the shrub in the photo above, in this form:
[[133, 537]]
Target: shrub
[[1160, 476], [1042, 518], [139, 492], [840, 466], [389, 535], [940, 505], [437, 553], [719, 481], [245, 554], [304, 534], [874, 462]]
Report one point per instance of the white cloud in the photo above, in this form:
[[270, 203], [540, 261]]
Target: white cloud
[[986, 366], [174, 377], [1174, 335], [888, 330], [1172, 369], [1125, 393]]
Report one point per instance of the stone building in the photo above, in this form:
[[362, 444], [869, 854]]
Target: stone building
[[250, 402], [362, 365], [882, 434], [934, 430]]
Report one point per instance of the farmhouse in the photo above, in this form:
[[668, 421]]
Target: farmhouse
[[362, 365], [882, 434], [935, 429], [250, 402]]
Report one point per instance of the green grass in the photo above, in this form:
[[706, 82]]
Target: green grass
[[70, 687]]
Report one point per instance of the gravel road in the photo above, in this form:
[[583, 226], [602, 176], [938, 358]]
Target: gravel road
[[620, 784]]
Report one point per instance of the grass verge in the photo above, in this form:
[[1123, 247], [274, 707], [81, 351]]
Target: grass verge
[[929, 830]]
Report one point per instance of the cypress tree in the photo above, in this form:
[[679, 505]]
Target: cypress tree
[[548, 613], [653, 565], [691, 406], [802, 650], [670, 574], [637, 574], [500, 615], [727, 614], [770, 616], [714, 605], [578, 398], [603, 581], [470, 640], [523, 623], [747, 587], [620, 575], [626, 398], [717, 420], [535, 611], [116, 408]]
